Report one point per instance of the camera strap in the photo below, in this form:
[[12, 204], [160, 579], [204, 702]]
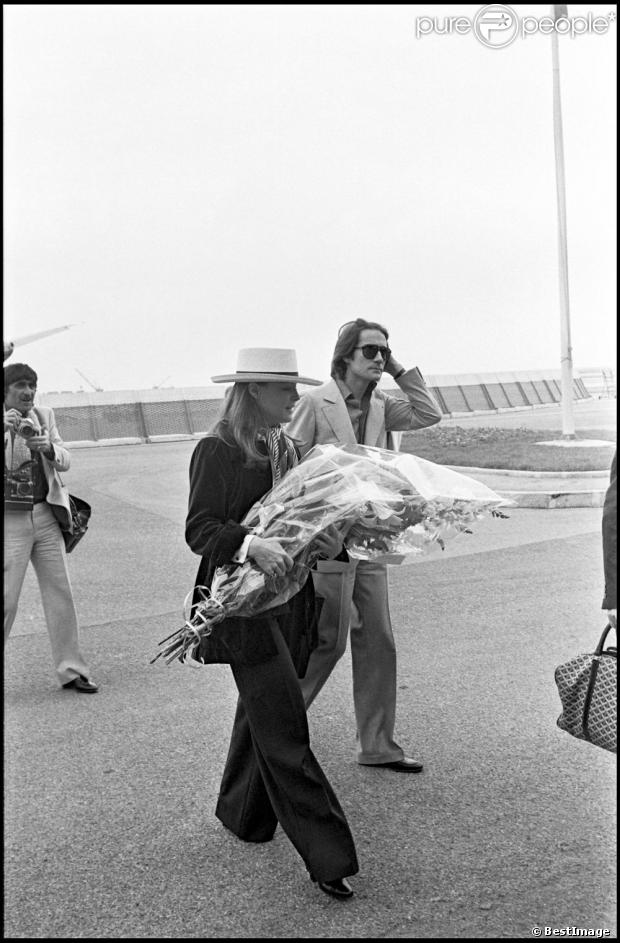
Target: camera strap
[[19, 453], [24, 477]]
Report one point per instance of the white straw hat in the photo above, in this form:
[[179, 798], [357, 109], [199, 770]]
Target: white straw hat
[[266, 365]]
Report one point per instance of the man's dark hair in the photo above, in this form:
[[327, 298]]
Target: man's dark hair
[[348, 338], [18, 371]]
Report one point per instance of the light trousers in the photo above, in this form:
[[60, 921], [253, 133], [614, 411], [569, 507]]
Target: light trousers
[[35, 536], [356, 604]]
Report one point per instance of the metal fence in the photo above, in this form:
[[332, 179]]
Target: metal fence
[[97, 422], [599, 381], [149, 415], [513, 394]]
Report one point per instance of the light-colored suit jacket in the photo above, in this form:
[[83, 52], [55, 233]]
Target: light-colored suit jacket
[[321, 416], [57, 493]]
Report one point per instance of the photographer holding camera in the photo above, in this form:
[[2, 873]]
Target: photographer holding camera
[[34, 502]]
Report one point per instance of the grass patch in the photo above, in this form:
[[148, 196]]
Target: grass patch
[[490, 447]]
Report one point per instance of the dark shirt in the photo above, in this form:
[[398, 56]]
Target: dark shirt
[[357, 408], [610, 540], [40, 486]]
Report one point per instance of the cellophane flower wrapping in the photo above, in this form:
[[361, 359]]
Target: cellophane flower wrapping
[[386, 506]]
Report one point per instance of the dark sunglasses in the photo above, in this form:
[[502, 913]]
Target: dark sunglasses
[[370, 351]]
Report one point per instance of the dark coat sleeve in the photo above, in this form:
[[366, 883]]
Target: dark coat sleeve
[[209, 530], [610, 539]]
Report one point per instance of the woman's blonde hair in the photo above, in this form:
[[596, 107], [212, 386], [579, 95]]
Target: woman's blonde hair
[[241, 422]]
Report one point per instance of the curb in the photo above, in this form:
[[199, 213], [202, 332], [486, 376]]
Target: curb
[[578, 498], [557, 499], [522, 499], [134, 440], [518, 473], [102, 443]]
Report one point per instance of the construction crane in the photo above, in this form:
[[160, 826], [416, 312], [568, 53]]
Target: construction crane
[[97, 389]]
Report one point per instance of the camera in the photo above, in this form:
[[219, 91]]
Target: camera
[[26, 428], [18, 486]]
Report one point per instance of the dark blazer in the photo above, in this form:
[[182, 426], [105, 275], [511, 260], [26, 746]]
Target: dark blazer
[[222, 490], [610, 539]]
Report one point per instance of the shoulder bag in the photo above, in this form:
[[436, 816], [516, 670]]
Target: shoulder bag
[[587, 685], [80, 516], [80, 512]]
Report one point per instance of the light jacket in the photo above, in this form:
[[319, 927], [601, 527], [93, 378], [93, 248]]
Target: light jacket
[[57, 495], [321, 416]]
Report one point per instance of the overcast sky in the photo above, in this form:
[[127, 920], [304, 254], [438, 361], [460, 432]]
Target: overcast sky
[[181, 181]]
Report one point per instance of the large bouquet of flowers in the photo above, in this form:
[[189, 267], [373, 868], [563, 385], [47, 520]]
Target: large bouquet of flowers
[[385, 506]]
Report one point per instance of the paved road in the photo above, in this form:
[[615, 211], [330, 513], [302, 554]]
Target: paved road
[[109, 825]]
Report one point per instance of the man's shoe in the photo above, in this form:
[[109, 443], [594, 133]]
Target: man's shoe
[[82, 684], [339, 888], [406, 765]]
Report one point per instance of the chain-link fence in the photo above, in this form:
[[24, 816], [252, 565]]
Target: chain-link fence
[[146, 415]]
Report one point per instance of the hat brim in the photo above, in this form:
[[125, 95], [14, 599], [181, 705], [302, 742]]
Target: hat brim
[[265, 378]]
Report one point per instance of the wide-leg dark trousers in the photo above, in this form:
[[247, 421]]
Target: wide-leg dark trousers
[[272, 776]]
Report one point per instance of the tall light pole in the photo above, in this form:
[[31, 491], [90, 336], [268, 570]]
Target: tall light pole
[[9, 346], [560, 11]]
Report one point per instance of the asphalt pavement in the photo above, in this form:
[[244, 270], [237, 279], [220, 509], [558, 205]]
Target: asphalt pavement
[[109, 798]]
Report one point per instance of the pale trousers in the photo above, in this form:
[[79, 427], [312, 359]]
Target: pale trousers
[[34, 536], [356, 604]]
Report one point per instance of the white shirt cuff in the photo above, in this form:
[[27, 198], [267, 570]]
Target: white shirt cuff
[[241, 555]]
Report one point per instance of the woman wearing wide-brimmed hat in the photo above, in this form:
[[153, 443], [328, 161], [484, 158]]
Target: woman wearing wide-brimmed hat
[[271, 774]]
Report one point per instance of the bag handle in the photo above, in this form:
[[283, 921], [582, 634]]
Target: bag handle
[[596, 659], [606, 631]]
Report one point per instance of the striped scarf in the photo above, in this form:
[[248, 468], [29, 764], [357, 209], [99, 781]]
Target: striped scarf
[[282, 453]]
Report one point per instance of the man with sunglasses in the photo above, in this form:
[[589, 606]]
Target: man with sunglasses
[[349, 409]]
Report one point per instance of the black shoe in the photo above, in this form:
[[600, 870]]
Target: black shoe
[[83, 685], [406, 765], [339, 888]]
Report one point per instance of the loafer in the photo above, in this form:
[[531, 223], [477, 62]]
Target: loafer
[[340, 888], [82, 684], [406, 765]]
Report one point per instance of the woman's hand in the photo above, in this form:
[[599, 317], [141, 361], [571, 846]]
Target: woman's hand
[[269, 554], [327, 544]]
